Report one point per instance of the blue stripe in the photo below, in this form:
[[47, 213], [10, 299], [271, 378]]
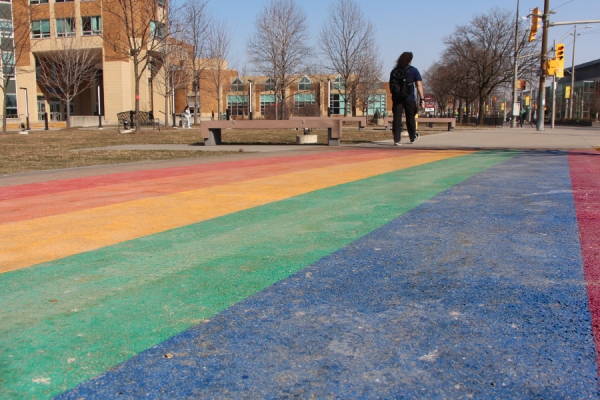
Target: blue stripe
[[477, 292]]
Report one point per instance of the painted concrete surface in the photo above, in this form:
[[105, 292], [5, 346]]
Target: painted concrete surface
[[350, 273]]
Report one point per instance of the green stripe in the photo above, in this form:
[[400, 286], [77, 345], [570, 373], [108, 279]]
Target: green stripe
[[114, 302]]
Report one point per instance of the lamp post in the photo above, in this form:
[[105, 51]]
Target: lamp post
[[328, 97], [26, 108], [250, 98], [573, 70], [513, 122]]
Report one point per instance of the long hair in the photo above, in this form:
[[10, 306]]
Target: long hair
[[404, 59]]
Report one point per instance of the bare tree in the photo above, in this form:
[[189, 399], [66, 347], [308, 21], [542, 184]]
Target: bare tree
[[484, 48], [136, 31], [345, 38], [368, 78], [218, 48], [197, 27], [280, 46], [68, 69], [170, 72], [439, 81], [13, 48]]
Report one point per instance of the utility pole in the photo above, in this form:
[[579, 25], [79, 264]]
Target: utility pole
[[553, 93], [513, 122], [572, 74], [543, 58]]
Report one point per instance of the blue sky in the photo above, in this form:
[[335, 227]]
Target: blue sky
[[400, 29]]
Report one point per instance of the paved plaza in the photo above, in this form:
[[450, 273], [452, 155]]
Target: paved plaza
[[466, 265]]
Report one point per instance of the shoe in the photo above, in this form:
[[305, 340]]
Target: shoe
[[416, 138], [397, 143]]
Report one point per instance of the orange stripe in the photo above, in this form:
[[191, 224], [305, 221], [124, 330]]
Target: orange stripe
[[35, 241], [75, 200]]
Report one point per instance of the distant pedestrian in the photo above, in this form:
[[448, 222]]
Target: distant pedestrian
[[187, 115], [522, 115], [403, 80], [213, 115]]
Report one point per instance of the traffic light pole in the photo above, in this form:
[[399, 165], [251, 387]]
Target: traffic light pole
[[542, 95]]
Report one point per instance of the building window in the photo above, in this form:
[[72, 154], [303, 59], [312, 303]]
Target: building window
[[8, 63], [304, 99], [161, 3], [41, 108], [6, 27], [237, 105], [157, 30], [91, 26], [305, 84], [338, 103], [63, 1], [266, 100], [6, 13], [40, 29], [338, 83], [38, 2], [237, 85], [65, 27], [377, 102], [11, 99], [270, 84]]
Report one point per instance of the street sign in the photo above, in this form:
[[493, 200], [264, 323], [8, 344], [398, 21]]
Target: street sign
[[429, 103]]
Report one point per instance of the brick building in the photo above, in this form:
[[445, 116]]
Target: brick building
[[308, 95], [39, 27]]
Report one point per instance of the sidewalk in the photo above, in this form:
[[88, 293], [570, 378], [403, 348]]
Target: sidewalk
[[508, 138], [490, 138]]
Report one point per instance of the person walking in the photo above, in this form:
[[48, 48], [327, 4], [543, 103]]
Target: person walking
[[187, 115], [403, 80]]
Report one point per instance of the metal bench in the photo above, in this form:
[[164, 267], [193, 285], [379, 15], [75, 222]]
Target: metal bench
[[387, 121], [126, 120], [211, 130], [362, 121]]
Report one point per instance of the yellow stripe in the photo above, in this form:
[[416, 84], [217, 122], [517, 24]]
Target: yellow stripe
[[31, 242]]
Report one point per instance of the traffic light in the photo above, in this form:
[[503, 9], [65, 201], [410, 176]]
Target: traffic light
[[550, 67], [535, 24], [560, 60], [523, 84]]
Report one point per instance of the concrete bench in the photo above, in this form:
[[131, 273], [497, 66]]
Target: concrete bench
[[387, 121], [211, 130], [362, 121]]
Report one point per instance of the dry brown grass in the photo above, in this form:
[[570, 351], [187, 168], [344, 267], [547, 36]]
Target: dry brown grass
[[43, 150]]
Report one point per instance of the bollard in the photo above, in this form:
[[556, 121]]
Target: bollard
[[46, 121], [174, 125]]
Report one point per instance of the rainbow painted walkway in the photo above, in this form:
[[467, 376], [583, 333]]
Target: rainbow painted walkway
[[357, 273]]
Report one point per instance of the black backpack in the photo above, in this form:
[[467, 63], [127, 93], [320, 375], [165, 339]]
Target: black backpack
[[401, 83]]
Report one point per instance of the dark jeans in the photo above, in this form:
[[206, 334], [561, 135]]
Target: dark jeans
[[409, 107]]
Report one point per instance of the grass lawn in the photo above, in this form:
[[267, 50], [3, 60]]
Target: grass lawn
[[43, 150]]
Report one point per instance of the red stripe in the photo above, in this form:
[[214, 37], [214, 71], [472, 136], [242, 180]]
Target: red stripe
[[41, 188], [74, 200], [585, 180]]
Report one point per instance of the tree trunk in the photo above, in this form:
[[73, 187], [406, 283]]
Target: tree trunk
[[68, 106], [480, 108], [166, 108], [218, 102], [137, 94], [197, 102], [4, 111]]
